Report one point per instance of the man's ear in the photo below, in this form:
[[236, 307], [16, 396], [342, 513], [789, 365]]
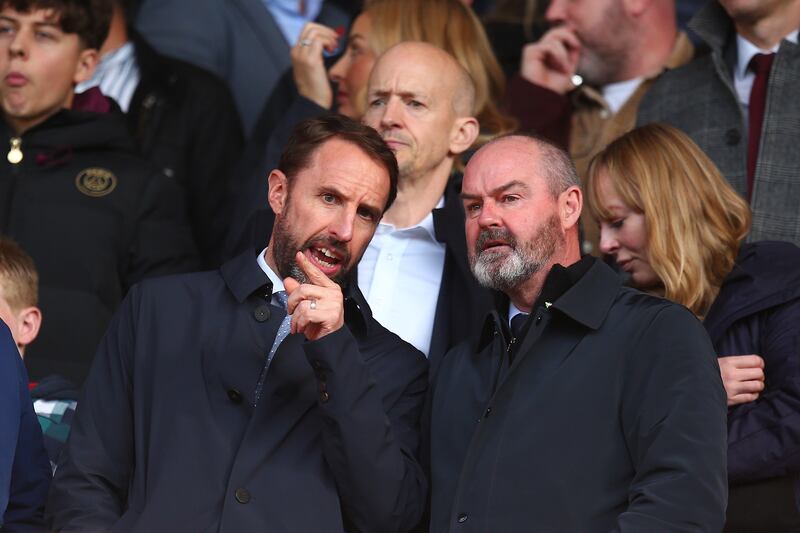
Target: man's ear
[[29, 320], [465, 131], [278, 191], [87, 63], [570, 203]]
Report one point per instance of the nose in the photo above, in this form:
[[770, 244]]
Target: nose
[[18, 45], [390, 114], [556, 14], [609, 244], [341, 227], [488, 217], [339, 69]]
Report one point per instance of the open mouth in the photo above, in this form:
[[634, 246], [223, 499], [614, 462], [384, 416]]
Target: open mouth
[[494, 245], [328, 260]]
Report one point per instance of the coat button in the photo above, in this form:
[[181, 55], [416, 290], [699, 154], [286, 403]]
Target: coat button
[[538, 319], [462, 518], [732, 137], [261, 313], [487, 412], [235, 396], [324, 397], [242, 495]]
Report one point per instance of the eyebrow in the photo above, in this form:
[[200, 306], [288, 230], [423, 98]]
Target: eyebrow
[[496, 190], [373, 210]]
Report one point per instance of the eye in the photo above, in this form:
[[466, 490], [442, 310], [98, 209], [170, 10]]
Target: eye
[[367, 214], [416, 104], [328, 198], [472, 208], [509, 198], [44, 35], [376, 102], [617, 224], [6, 29]]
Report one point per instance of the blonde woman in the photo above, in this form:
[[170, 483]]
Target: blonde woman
[[671, 221], [448, 24]]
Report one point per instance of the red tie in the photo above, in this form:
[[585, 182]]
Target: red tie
[[761, 65]]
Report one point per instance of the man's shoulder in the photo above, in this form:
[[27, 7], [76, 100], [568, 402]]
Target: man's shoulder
[[671, 88], [635, 306], [380, 342], [193, 288]]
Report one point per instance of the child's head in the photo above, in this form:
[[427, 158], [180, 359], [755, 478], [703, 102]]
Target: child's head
[[46, 48], [19, 293]]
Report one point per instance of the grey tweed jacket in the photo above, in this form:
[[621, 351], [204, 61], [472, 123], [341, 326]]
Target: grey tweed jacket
[[699, 98]]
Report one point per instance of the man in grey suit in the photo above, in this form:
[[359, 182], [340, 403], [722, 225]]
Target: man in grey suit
[[739, 103], [244, 42]]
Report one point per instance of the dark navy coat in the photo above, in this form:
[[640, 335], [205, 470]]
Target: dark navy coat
[[166, 437], [24, 467], [757, 311], [611, 418]]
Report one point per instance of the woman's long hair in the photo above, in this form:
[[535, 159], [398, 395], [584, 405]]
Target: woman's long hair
[[452, 26], [695, 220]]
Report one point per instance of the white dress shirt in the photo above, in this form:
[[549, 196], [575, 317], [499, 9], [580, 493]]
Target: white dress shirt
[[616, 94], [400, 275], [277, 282], [743, 77], [117, 75]]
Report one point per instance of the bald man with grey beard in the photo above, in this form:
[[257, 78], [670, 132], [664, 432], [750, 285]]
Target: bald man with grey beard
[[580, 404]]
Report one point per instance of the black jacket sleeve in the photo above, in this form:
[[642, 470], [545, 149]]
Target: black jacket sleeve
[[674, 415], [372, 429], [90, 486]]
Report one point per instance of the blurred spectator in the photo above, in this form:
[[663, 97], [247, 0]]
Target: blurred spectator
[[183, 120], [244, 42], [510, 24], [612, 50], [92, 214], [739, 104], [54, 398], [674, 224], [24, 470], [447, 24]]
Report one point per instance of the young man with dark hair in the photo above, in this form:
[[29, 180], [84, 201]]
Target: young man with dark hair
[[263, 396], [92, 214]]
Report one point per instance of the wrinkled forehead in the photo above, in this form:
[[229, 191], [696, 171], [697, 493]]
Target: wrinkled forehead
[[400, 73], [501, 162]]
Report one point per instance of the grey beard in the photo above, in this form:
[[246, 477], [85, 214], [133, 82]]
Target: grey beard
[[502, 273]]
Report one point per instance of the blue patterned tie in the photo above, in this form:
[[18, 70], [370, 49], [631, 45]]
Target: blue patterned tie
[[283, 331]]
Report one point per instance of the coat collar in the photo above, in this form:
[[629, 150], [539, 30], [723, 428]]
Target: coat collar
[[245, 279], [713, 25], [448, 224], [587, 302]]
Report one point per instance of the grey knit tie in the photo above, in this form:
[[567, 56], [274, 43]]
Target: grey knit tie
[[283, 331]]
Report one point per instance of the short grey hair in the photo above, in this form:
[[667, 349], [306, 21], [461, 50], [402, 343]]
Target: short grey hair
[[555, 163]]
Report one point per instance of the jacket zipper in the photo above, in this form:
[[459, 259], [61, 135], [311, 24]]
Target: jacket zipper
[[14, 157]]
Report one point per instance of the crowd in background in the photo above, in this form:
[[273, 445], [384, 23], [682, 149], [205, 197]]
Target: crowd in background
[[144, 136]]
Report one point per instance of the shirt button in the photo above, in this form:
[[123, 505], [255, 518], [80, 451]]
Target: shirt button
[[389, 257], [242, 495], [261, 313], [235, 396], [462, 518]]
